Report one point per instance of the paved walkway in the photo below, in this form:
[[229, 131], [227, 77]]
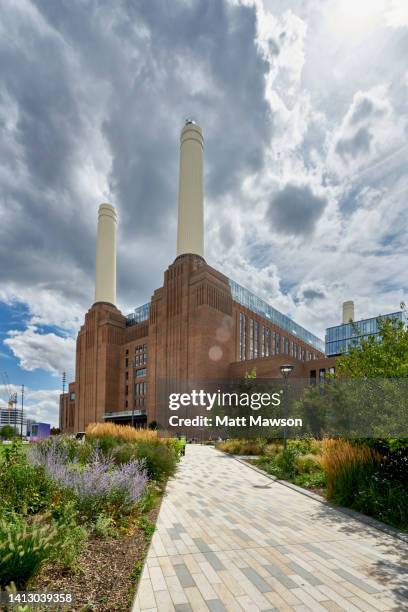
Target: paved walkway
[[228, 538]]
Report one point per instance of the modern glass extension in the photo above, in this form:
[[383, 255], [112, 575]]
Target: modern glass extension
[[142, 313], [341, 337], [252, 302]]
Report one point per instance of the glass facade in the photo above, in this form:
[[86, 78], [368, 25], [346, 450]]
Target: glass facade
[[142, 313], [341, 337], [254, 303]]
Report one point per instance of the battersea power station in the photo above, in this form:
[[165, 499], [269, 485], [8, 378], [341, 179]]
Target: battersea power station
[[199, 325]]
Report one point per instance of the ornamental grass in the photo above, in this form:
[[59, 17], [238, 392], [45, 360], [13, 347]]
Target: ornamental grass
[[126, 433]]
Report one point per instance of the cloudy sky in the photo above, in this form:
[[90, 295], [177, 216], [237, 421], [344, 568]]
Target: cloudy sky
[[304, 109]]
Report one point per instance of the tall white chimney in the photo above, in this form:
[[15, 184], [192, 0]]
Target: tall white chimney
[[105, 282], [348, 311], [190, 229]]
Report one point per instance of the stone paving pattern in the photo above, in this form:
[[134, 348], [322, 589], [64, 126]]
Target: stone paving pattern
[[228, 538]]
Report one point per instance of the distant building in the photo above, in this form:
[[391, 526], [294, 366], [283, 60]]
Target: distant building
[[340, 338], [37, 431], [12, 416]]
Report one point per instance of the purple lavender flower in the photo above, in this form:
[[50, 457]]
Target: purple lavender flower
[[100, 480]]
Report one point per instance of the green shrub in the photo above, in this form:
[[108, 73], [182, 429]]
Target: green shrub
[[285, 461], [124, 453], [72, 537], [23, 549], [315, 480], [160, 459], [104, 526], [306, 464], [25, 488]]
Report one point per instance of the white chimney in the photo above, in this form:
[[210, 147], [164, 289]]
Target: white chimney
[[190, 229], [348, 311], [105, 282]]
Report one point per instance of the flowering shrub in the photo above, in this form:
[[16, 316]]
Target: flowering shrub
[[97, 483]]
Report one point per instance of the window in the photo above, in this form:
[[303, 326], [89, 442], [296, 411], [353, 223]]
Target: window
[[285, 346], [127, 375], [126, 390], [140, 393], [251, 338], [312, 378], [72, 396], [126, 404], [256, 339], [127, 362], [140, 373], [295, 351], [242, 336], [322, 373], [277, 344], [263, 342], [267, 342]]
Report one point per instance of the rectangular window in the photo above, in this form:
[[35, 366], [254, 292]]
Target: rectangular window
[[267, 342], [140, 373], [277, 344], [256, 339], [251, 338], [242, 336], [126, 362], [312, 378], [126, 390], [72, 397], [322, 373], [263, 341]]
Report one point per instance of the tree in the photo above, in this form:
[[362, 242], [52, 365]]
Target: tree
[[386, 358], [7, 432]]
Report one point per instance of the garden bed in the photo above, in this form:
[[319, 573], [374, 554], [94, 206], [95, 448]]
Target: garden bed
[[108, 572], [77, 517]]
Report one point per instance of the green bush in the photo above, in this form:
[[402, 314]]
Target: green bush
[[104, 526], [124, 453], [72, 537], [25, 488], [314, 480], [23, 549], [307, 464], [161, 459], [285, 461]]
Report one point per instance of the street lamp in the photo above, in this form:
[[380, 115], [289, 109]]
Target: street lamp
[[286, 370]]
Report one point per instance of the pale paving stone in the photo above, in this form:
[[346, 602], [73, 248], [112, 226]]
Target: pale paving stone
[[205, 587], [164, 601], [227, 598], [146, 595], [195, 599], [157, 579], [247, 604], [308, 600], [175, 589]]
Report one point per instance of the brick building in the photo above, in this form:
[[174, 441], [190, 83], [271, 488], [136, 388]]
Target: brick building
[[199, 325]]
